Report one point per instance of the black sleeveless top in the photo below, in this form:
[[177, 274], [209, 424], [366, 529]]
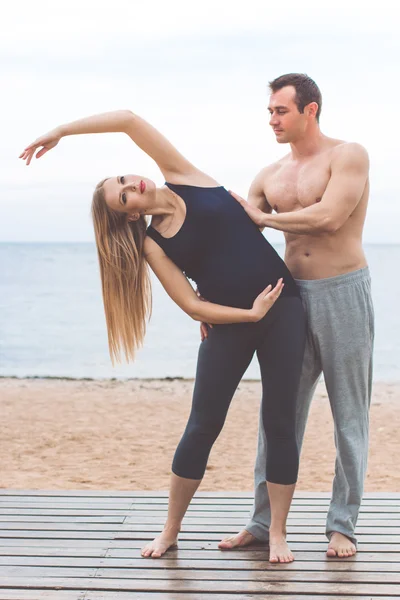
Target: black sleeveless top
[[222, 250]]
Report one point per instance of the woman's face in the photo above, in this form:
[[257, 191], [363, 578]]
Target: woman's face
[[129, 193]]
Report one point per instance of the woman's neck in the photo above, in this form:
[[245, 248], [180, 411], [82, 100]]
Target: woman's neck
[[165, 203]]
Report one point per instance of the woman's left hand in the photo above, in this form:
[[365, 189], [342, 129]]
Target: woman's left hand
[[255, 214], [45, 142], [266, 299]]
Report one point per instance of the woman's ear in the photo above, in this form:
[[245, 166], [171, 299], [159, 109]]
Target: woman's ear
[[134, 217]]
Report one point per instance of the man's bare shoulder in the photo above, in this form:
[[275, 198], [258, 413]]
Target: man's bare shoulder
[[350, 154], [272, 169], [348, 149]]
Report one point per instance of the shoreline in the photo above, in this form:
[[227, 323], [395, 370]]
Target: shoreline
[[390, 382], [64, 434]]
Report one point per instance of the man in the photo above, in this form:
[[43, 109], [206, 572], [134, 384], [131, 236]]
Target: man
[[319, 192]]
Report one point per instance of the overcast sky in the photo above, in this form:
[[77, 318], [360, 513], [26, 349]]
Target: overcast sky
[[199, 72]]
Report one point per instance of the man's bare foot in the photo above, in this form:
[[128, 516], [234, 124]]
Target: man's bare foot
[[159, 545], [241, 539], [279, 551], [340, 546]]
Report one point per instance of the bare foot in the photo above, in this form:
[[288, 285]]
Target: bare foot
[[340, 546], [241, 539], [279, 551], [159, 545]]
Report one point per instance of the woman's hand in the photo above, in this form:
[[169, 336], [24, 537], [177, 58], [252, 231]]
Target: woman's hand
[[256, 215], [266, 299], [46, 142]]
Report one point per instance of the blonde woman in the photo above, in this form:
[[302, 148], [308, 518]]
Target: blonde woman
[[198, 230]]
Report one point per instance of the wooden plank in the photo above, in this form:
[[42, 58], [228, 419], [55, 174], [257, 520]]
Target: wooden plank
[[68, 504], [65, 543], [246, 508], [6, 493], [50, 512], [212, 596], [9, 594], [111, 567], [164, 494], [18, 594], [73, 535], [212, 510], [318, 564], [58, 526], [121, 502], [60, 519], [199, 533], [305, 546], [257, 555], [6, 544], [249, 503], [121, 595], [293, 523], [267, 575], [46, 572], [247, 575], [305, 539], [237, 517], [188, 527], [230, 586], [14, 553]]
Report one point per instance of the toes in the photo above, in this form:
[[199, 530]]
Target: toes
[[226, 543], [236, 541], [273, 559]]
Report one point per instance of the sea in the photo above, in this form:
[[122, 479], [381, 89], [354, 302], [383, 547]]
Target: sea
[[52, 320]]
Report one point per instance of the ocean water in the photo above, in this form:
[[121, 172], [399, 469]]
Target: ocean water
[[52, 321]]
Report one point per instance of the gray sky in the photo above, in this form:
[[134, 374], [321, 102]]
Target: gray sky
[[199, 73]]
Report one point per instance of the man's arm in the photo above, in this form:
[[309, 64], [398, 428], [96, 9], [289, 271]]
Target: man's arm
[[256, 196], [349, 175]]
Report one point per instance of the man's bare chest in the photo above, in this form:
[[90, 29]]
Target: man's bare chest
[[295, 188]]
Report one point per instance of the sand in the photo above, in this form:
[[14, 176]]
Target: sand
[[113, 435]]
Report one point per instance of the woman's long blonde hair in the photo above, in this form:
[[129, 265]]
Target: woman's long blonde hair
[[124, 274]]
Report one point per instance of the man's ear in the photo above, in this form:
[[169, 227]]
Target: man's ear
[[134, 217], [312, 109]]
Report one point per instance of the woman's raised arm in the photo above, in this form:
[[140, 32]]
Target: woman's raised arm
[[145, 136]]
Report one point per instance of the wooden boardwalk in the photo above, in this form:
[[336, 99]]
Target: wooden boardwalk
[[86, 546]]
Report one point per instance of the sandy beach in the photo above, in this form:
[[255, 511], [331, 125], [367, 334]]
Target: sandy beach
[[76, 434]]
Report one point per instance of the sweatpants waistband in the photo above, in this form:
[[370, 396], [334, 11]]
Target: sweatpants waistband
[[330, 282]]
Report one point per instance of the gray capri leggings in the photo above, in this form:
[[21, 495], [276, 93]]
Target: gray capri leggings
[[279, 340]]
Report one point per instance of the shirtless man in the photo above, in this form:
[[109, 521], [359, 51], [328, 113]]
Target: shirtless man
[[319, 192]]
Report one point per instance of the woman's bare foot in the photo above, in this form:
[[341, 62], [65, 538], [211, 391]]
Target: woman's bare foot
[[160, 544], [340, 546], [243, 538], [279, 551]]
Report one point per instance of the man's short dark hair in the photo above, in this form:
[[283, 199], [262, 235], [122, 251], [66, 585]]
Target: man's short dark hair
[[306, 89]]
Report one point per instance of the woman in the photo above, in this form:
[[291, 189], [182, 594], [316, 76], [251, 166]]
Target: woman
[[199, 231]]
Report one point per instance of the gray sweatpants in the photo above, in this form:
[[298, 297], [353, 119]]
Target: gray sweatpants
[[340, 334]]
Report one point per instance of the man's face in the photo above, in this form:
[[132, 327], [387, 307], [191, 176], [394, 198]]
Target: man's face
[[286, 121]]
